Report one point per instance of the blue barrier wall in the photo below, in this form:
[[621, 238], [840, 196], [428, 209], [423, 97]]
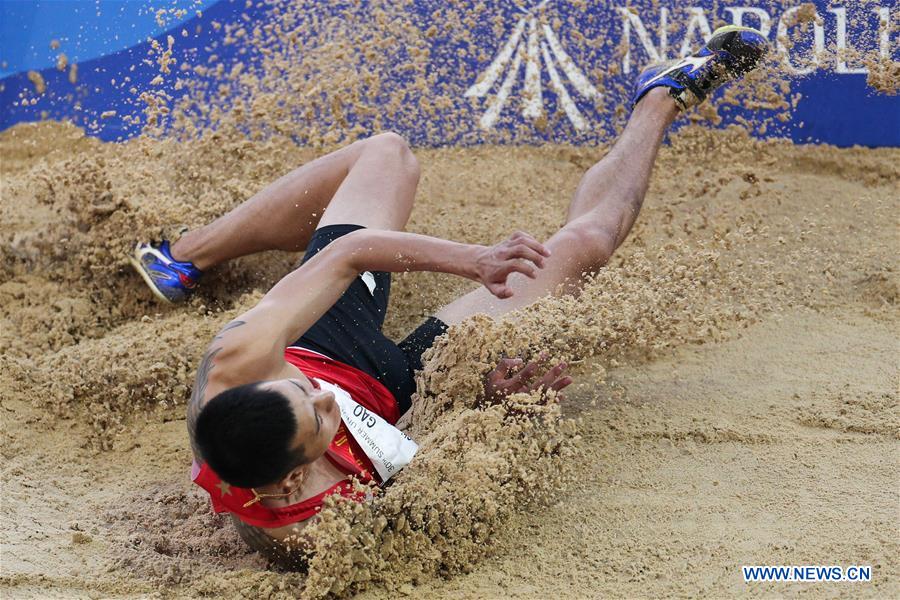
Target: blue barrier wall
[[540, 64], [84, 29]]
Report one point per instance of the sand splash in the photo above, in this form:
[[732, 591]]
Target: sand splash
[[83, 341]]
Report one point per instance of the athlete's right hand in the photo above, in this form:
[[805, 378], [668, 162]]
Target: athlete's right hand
[[513, 376], [521, 253]]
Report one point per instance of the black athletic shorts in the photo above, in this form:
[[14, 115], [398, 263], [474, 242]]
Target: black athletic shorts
[[350, 332]]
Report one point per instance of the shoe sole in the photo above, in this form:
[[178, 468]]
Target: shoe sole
[[720, 30], [746, 54], [730, 28], [669, 66], [140, 271]]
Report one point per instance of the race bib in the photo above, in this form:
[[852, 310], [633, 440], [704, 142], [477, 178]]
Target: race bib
[[387, 447]]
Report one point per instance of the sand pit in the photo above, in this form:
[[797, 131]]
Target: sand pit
[[735, 398], [736, 364]]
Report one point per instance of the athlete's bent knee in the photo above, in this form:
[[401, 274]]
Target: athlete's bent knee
[[595, 244], [389, 141], [394, 147]]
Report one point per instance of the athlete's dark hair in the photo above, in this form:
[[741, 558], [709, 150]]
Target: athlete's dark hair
[[245, 435]]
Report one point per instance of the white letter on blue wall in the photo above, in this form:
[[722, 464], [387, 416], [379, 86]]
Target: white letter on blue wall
[[632, 19]]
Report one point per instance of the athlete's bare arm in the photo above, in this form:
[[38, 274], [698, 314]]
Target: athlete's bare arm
[[296, 302], [254, 351]]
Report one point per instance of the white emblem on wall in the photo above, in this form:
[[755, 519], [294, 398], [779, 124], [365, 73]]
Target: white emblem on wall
[[541, 44]]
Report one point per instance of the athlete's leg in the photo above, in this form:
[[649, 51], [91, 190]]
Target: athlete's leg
[[601, 214], [371, 182]]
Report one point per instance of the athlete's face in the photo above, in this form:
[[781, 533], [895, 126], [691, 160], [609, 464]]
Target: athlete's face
[[316, 412]]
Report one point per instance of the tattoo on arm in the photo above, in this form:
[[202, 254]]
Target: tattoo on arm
[[206, 365]]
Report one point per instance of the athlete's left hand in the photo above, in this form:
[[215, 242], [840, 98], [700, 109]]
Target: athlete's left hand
[[513, 376], [520, 253]]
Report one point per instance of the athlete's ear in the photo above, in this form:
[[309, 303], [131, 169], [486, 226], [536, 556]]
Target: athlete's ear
[[294, 479]]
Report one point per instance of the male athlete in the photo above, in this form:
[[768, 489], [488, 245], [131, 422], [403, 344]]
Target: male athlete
[[292, 396]]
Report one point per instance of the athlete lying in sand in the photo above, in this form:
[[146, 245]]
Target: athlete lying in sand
[[299, 394]]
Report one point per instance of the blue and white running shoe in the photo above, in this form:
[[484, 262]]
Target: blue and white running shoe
[[731, 52], [169, 279]]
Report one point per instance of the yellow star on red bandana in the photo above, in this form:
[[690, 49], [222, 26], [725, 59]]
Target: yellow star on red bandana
[[224, 488]]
